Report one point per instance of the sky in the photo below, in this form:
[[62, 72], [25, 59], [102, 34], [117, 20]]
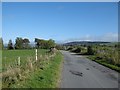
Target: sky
[[61, 21], [60, 0]]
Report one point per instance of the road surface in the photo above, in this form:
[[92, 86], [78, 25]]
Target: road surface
[[79, 72]]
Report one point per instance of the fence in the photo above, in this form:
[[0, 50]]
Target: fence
[[22, 65]]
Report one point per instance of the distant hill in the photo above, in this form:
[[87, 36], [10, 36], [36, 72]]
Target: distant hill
[[85, 43]]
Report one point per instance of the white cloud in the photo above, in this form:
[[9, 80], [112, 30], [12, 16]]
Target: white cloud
[[109, 37]]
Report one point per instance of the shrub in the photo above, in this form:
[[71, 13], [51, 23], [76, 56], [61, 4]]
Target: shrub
[[70, 48], [77, 50], [90, 50]]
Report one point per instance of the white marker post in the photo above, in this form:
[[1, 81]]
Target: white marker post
[[36, 54], [19, 61]]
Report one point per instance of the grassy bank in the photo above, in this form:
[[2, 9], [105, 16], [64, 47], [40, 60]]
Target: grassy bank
[[45, 77], [45, 73], [10, 57], [103, 62]]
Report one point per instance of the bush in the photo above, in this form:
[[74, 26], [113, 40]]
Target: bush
[[90, 50], [70, 48], [77, 50]]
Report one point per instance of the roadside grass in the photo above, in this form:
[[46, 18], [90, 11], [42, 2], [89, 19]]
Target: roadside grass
[[44, 74], [104, 63], [0, 68], [0, 60], [10, 57], [106, 56], [46, 78]]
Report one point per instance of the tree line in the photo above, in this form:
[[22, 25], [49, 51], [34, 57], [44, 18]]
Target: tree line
[[1, 43], [24, 43], [44, 44]]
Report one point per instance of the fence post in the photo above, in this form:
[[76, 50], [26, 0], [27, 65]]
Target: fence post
[[19, 61], [36, 54]]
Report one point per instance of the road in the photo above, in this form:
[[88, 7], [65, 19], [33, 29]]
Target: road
[[79, 72]]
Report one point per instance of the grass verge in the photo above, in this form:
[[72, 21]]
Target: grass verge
[[44, 77], [102, 62]]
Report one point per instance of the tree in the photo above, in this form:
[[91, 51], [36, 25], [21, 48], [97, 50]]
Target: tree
[[45, 44], [19, 43], [26, 43], [37, 43], [51, 43], [42, 44], [1, 44], [10, 45]]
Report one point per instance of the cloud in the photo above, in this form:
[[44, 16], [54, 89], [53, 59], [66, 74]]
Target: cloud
[[108, 37]]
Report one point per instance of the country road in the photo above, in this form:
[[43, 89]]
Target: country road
[[79, 72]]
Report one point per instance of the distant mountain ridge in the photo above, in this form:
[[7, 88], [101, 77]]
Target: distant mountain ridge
[[85, 42]]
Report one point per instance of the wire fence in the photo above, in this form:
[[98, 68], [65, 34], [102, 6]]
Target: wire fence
[[15, 68], [11, 58]]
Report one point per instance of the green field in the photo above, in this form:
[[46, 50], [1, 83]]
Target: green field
[[9, 57], [43, 73]]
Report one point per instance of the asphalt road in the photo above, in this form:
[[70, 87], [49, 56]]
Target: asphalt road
[[79, 72]]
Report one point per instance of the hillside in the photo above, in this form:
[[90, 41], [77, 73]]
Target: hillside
[[85, 43]]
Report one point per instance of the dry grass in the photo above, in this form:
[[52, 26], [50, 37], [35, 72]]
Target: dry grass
[[18, 71]]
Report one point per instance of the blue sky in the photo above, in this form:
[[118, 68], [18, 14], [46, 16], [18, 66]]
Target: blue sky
[[60, 21]]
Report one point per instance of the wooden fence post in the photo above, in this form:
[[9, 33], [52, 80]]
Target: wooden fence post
[[19, 61], [36, 55]]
